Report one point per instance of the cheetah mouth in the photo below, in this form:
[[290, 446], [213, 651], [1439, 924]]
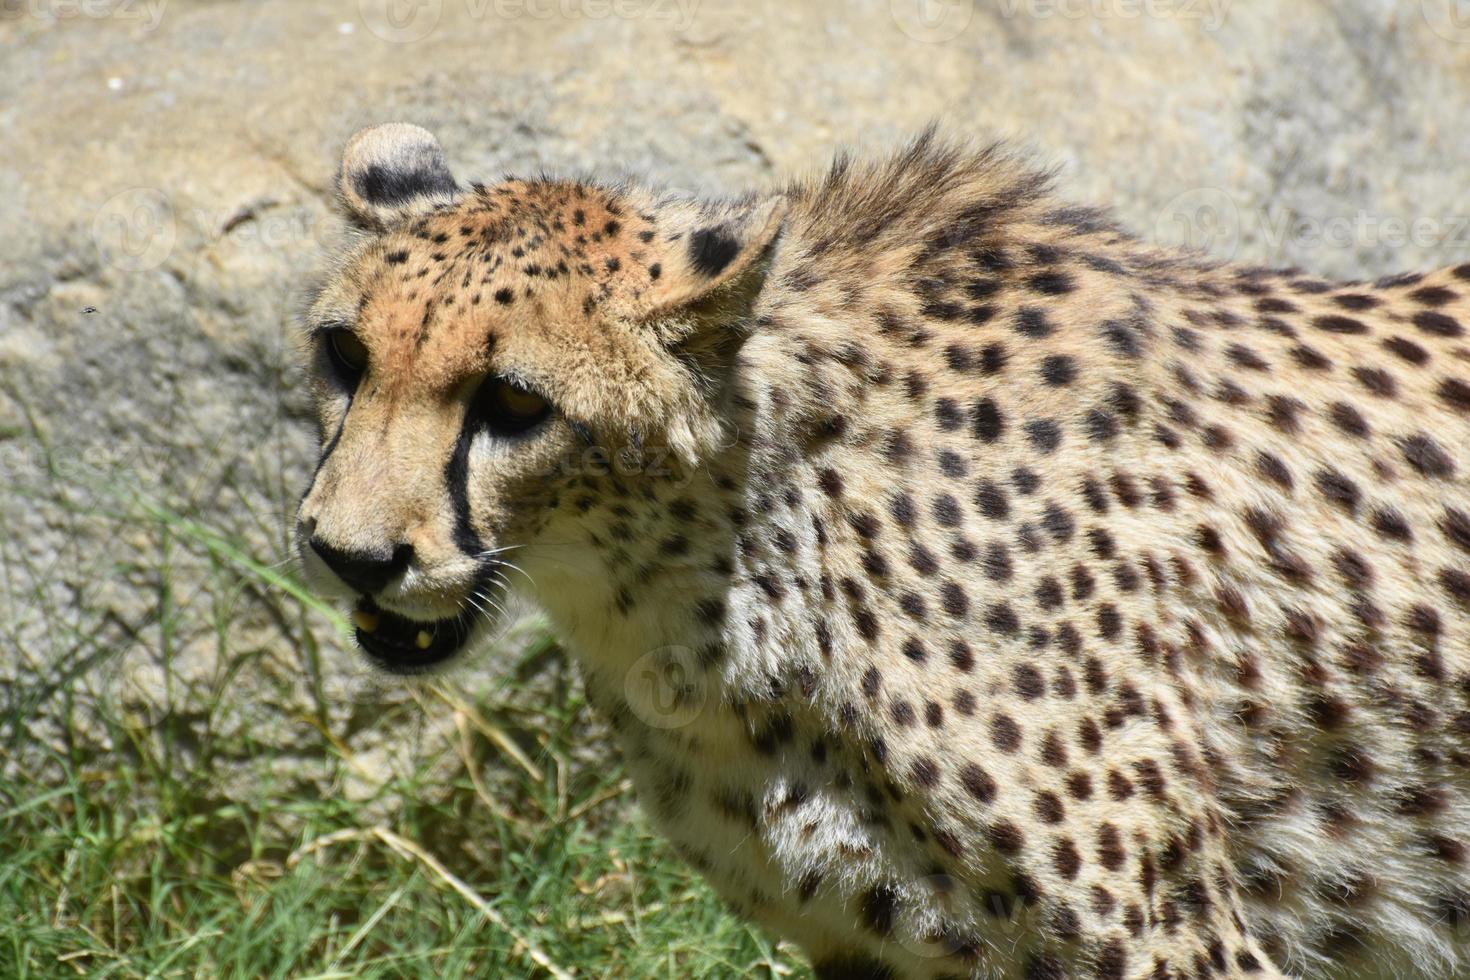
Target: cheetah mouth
[[400, 645]]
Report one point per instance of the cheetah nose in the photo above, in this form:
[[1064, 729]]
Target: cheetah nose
[[365, 571]]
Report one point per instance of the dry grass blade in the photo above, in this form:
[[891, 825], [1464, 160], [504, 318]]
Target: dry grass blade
[[466, 755], [409, 850], [490, 730]]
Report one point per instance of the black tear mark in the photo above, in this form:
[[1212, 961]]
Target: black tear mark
[[711, 249], [327, 449], [456, 481], [381, 185]]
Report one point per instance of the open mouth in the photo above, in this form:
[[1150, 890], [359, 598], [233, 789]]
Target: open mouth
[[405, 646]]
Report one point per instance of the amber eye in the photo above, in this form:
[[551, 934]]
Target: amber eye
[[508, 409], [348, 355]]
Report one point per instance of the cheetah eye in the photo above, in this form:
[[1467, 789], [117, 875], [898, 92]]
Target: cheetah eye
[[507, 409], [348, 355]]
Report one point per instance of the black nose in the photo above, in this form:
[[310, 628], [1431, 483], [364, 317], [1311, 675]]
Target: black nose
[[365, 571]]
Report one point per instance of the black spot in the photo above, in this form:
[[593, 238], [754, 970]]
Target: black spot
[[1456, 583], [1112, 961], [1376, 380], [997, 563], [902, 509], [1051, 282], [947, 511], [947, 413], [1058, 523], [1338, 488], [1425, 455], [1407, 349], [1123, 337], [977, 782], [1101, 425], [1437, 324], [1032, 322], [1339, 324], [1348, 419], [1058, 370], [1391, 524], [992, 501], [1309, 358], [1028, 682], [711, 249], [1456, 526], [1246, 358], [877, 907], [986, 422], [381, 185], [1273, 469], [993, 359], [1044, 434], [1000, 618], [1455, 393]]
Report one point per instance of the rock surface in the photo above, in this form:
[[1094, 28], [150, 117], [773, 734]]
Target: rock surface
[[169, 165]]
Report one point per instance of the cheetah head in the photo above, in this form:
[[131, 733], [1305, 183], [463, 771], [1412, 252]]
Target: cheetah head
[[469, 342]]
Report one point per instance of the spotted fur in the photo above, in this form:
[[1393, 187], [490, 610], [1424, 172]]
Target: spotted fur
[[1038, 603]]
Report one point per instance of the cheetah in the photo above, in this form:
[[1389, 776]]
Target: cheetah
[[972, 589]]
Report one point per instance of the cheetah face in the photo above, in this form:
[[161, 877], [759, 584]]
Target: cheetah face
[[470, 342]]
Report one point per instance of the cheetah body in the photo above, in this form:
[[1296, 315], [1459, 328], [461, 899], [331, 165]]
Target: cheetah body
[[992, 595]]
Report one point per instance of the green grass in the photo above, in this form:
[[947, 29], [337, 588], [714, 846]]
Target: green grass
[[169, 839]]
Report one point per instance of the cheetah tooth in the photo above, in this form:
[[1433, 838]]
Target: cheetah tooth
[[364, 620], [424, 640]]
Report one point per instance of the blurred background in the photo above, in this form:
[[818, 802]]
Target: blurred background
[[196, 776]]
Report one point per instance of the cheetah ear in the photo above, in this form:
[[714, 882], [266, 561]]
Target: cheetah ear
[[392, 172], [712, 262]]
